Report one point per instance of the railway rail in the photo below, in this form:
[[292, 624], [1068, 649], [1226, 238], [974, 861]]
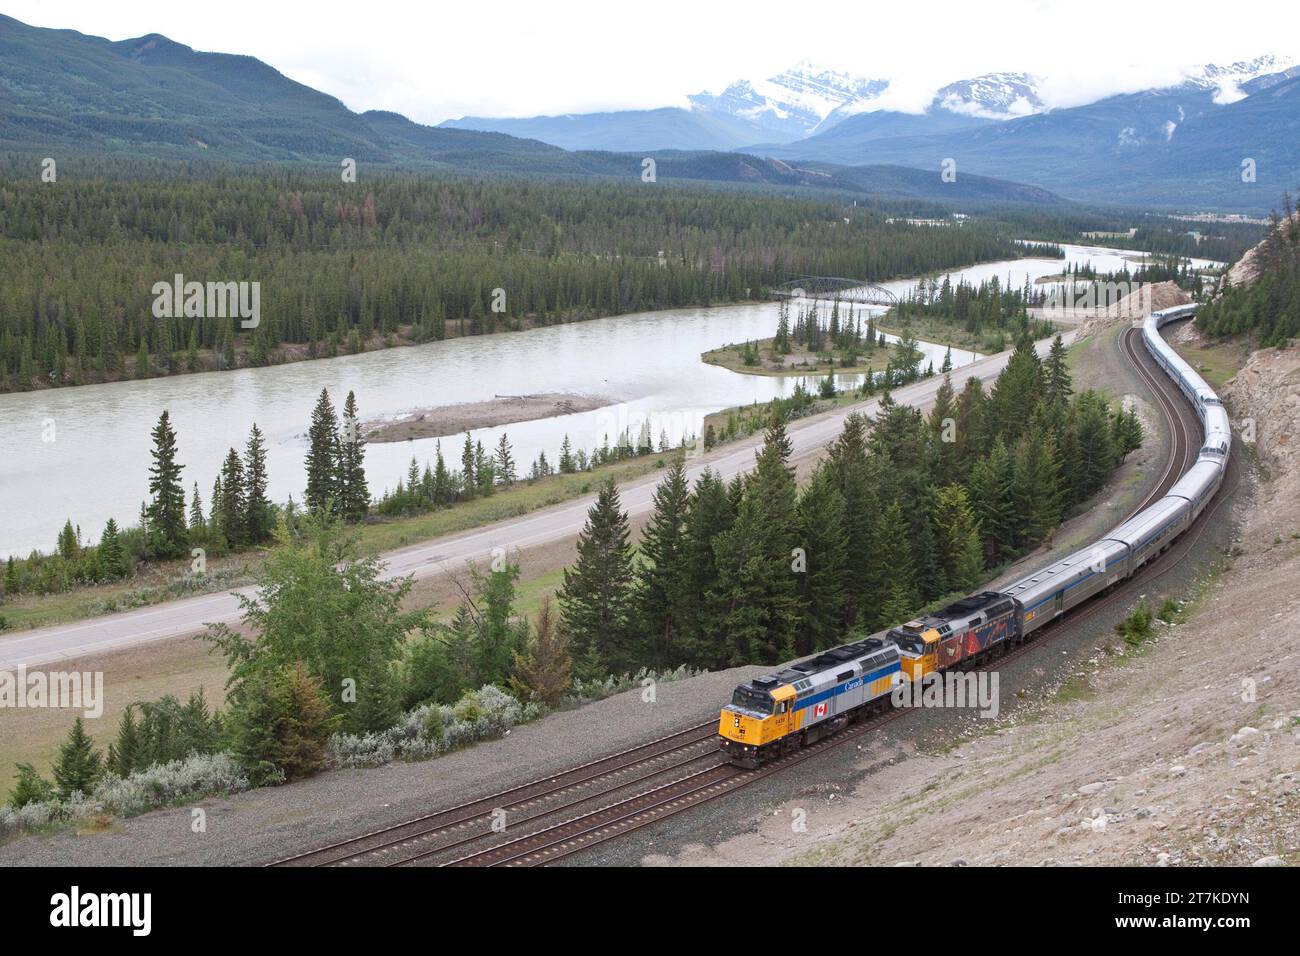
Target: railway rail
[[553, 817]]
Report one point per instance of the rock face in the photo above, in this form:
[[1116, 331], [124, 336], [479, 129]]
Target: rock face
[[1246, 269], [1265, 401]]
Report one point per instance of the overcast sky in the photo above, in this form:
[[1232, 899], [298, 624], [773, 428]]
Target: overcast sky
[[436, 60]]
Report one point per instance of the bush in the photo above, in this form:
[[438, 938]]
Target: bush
[[1138, 626], [202, 775], [434, 729]]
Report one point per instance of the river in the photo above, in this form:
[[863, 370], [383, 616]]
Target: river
[[83, 453]]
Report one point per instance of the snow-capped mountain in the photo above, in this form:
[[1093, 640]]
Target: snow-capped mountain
[[993, 96], [793, 103], [1228, 81]]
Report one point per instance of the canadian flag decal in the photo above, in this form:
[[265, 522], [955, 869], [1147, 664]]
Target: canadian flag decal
[[819, 710]]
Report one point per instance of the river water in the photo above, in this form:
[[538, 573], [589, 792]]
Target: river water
[[83, 453]]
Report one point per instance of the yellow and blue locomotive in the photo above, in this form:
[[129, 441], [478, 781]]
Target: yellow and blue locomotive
[[808, 700]]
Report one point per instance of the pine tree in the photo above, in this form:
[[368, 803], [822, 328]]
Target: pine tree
[[892, 569], [1097, 453], [232, 506], [354, 493], [124, 754], [505, 460], [708, 516], [69, 549], [961, 552], [1037, 487], [596, 597], [468, 478], [943, 434], [30, 787], [260, 514], [992, 485], [79, 765], [110, 553], [662, 598], [322, 457], [1056, 373], [756, 590], [1016, 392], [825, 552], [166, 511], [544, 672], [280, 724], [198, 524]]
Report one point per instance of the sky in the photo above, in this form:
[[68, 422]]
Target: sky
[[436, 60]]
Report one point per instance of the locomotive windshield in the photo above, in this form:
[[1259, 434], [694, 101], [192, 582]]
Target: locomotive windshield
[[752, 699], [907, 640]]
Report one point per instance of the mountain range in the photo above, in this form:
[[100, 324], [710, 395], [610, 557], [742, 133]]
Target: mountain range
[[806, 127], [1185, 144], [68, 93]]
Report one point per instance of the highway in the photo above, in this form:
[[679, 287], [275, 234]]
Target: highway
[[450, 554]]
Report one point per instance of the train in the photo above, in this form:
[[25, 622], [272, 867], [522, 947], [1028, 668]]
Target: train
[[799, 704]]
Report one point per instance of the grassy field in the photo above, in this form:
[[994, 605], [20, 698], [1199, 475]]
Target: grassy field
[[1216, 361]]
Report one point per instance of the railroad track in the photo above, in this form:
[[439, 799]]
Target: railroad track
[[454, 821], [557, 816]]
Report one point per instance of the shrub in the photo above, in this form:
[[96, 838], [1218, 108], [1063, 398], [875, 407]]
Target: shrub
[[1137, 627]]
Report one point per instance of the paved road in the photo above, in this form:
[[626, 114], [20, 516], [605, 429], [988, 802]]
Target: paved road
[[448, 554]]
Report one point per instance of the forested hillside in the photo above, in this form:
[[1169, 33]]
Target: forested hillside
[[1267, 308], [400, 258]]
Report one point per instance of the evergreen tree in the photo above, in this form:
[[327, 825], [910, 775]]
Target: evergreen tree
[[1037, 487], [756, 590], [124, 754], [280, 724], [992, 485], [825, 545], [709, 514], [113, 562], [469, 480], [68, 549], [354, 493], [1097, 455], [662, 596], [79, 765], [1016, 392], [260, 514], [505, 461], [166, 511], [596, 597], [544, 672], [232, 506], [198, 524], [1056, 374], [892, 568], [854, 476], [961, 552], [323, 457], [30, 787]]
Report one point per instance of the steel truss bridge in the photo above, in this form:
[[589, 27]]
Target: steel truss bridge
[[835, 287]]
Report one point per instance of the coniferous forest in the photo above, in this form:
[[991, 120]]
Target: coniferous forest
[[1268, 309], [905, 509], [400, 258]]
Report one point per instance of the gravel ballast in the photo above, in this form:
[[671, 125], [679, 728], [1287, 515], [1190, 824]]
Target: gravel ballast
[[270, 823]]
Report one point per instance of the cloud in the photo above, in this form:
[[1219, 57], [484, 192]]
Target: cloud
[[435, 61]]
